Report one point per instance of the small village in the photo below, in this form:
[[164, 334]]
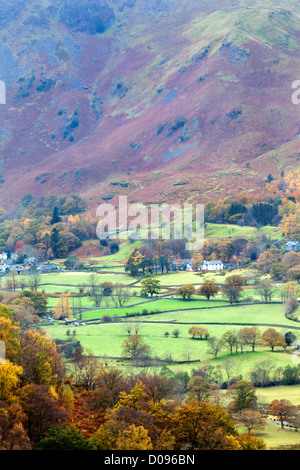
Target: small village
[[9, 263]]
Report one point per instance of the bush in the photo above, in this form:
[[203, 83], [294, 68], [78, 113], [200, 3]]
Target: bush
[[107, 318], [114, 247], [176, 333], [64, 438]]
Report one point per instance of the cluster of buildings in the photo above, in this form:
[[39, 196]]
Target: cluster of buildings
[[10, 264], [188, 265]]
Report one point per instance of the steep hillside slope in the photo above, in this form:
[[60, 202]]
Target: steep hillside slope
[[162, 100]]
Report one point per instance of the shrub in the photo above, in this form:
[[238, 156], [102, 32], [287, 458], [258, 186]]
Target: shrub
[[107, 318]]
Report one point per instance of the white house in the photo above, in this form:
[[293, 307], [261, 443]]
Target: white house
[[292, 245], [212, 265], [3, 256]]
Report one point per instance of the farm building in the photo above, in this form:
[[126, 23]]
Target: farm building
[[212, 265]]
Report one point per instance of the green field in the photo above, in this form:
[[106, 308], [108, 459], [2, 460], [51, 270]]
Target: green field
[[115, 258], [107, 338], [151, 307], [245, 314], [232, 231]]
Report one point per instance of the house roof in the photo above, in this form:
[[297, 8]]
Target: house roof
[[212, 262]]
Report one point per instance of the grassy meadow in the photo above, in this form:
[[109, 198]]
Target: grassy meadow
[[107, 338]]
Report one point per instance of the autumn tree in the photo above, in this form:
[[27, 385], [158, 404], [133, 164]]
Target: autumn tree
[[13, 435], [198, 389], [43, 409], [133, 438], [294, 273], [232, 287], [186, 291], [290, 224], [9, 335], [15, 438], [250, 336], [235, 280], [109, 383], [251, 419], [198, 331], [62, 307], [197, 258], [39, 359], [138, 409], [134, 346], [9, 379], [6, 312], [278, 272], [43, 241], [250, 442], [290, 306], [66, 398], [203, 426], [283, 410], [157, 386], [289, 290], [271, 256], [24, 312], [208, 289], [273, 338]]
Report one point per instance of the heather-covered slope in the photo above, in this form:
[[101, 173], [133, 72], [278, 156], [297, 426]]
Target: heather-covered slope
[[165, 100]]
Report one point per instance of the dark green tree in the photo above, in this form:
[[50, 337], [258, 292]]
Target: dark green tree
[[289, 338], [55, 216], [54, 242]]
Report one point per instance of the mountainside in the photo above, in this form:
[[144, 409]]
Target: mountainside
[[162, 100]]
